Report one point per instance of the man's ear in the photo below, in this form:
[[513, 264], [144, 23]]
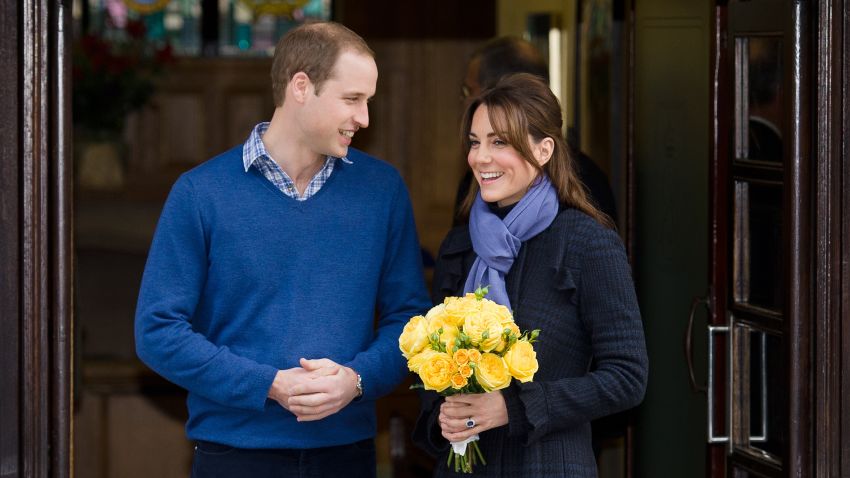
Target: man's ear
[[300, 86], [543, 150]]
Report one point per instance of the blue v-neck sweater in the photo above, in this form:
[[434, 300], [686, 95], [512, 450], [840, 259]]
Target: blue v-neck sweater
[[242, 280]]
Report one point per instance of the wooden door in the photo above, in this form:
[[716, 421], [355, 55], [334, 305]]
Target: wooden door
[[759, 397]]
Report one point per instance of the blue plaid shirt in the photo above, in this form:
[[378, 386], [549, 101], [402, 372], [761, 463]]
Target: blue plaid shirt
[[254, 153]]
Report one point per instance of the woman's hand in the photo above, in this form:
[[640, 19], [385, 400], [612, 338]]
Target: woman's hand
[[488, 410]]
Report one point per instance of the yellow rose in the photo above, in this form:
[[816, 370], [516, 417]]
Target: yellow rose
[[465, 370], [437, 321], [474, 355], [492, 373], [436, 371], [461, 356], [415, 362], [521, 360], [449, 333], [459, 309], [501, 347], [438, 312], [507, 324], [487, 322], [503, 312], [512, 327], [459, 381], [414, 337]]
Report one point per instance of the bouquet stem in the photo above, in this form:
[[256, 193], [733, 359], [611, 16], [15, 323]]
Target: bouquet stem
[[463, 463]]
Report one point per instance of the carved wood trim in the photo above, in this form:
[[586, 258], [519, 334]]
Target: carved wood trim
[[842, 37], [44, 238], [721, 124], [10, 385], [61, 222], [828, 214], [798, 202]]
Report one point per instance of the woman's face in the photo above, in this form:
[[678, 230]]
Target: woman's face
[[502, 173]]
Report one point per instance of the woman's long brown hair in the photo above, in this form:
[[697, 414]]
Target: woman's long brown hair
[[520, 105]]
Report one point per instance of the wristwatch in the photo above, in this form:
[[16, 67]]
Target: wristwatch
[[359, 386]]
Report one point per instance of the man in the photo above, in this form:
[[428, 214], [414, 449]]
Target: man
[[261, 284], [503, 56]]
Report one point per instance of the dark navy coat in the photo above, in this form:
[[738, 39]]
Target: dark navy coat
[[573, 282]]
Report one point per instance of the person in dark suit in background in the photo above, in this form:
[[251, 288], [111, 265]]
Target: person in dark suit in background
[[500, 57]]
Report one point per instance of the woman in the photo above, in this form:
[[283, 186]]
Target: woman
[[549, 255]]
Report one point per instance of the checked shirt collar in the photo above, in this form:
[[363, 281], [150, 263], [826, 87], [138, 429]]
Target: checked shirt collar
[[254, 153]]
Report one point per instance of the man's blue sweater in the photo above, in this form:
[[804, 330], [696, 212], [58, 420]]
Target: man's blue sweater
[[242, 281]]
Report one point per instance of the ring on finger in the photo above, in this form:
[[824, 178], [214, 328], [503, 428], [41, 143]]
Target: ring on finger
[[470, 423]]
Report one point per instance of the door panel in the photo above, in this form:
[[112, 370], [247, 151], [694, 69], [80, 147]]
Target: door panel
[[757, 247], [759, 112], [760, 386], [671, 139], [756, 193]]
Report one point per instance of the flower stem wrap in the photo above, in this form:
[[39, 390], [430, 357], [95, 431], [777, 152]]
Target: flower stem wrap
[[465, 454]]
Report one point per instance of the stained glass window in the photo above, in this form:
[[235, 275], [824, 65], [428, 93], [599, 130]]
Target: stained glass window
[[246, 27], [253, 26]]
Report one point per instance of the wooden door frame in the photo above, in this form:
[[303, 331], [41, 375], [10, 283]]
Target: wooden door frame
[[831, 236], [9, 242], [721, 101], [842, 32], [841, 147], [798, 217], [818, 214], [36, 255]]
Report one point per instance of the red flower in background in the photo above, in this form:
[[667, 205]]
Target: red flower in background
[[165, 55], [112, 78], [136, 29]]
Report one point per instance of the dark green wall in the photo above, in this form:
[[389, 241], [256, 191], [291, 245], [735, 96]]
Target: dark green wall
[[671, 255]]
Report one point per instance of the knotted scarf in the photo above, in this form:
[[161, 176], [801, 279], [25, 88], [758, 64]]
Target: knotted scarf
[[497, 241]]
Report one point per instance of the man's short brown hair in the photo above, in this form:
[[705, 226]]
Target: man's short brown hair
[[312, 48]]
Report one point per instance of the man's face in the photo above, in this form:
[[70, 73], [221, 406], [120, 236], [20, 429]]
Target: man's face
[[471, 87], [331, 117]]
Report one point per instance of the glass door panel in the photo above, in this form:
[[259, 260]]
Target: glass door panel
[[751, 188], [759, 397], [757, 246], [758, 105]]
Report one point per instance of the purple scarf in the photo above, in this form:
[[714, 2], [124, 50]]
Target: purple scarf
[[497, 241]]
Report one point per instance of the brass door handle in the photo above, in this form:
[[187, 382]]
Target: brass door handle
[[689, 355]]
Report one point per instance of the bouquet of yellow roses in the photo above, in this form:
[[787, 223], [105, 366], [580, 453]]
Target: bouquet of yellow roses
[[468, 345]]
